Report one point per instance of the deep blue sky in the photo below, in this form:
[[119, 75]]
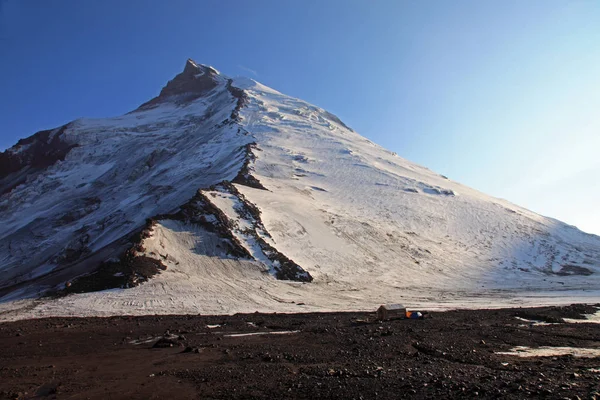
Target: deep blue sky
[[500, 95]]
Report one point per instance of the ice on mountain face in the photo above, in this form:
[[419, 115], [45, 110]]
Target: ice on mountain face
[[135, 166], [365, 225]]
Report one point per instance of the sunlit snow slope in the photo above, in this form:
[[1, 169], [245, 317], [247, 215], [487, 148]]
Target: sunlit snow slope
[[317, 218]]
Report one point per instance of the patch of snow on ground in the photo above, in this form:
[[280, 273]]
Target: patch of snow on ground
[[532, 322], [591, 318], [547, 351]]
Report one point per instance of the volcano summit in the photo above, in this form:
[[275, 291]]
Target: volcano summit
[[222, 195]]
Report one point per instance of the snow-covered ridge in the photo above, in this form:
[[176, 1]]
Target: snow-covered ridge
[[364, 224], [242, 220], [395, 219], [118, 172]]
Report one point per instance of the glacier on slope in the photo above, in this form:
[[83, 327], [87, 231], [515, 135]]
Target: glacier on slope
[[366, 225], [118, 172]]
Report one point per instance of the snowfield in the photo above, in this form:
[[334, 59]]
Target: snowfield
[[368, 226]]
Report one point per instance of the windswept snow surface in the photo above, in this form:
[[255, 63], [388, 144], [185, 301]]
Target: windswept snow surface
[[351, 211], [367, 225]]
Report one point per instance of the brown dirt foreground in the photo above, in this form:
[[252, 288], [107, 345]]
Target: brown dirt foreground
[[329, 355]]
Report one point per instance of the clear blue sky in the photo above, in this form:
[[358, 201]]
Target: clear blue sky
[[503, 95]]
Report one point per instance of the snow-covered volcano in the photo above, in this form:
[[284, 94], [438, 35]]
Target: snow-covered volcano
[[222, 195]]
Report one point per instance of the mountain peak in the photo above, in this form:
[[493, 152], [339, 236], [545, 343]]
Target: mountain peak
[[194, 81], [175, 189], [193, 68]]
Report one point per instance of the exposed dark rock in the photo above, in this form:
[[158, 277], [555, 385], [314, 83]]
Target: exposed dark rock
[[75, 250], [171, 340], [245, 176], [195, 81], [241, 97], [31, 155], [568, 270], [130, 270]]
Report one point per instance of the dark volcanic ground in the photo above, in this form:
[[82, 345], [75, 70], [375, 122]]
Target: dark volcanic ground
[[329, 355]]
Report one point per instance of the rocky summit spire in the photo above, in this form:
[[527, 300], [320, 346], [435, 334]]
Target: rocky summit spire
[[195, 80]]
